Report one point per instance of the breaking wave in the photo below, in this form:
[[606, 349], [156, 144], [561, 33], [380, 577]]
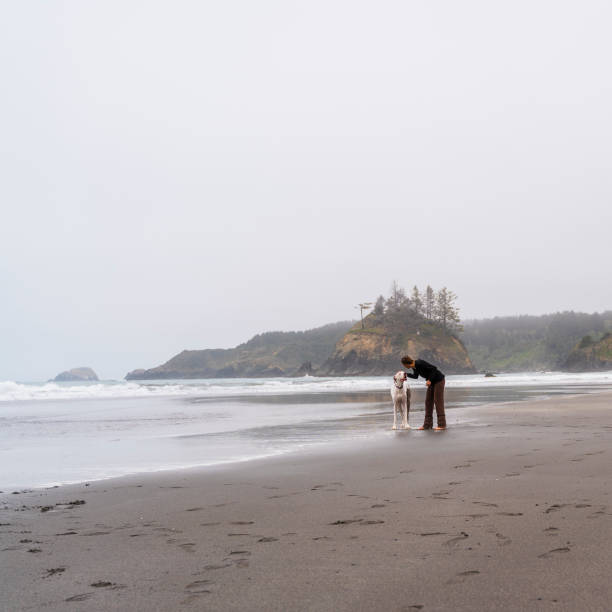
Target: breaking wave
[[15, 391]]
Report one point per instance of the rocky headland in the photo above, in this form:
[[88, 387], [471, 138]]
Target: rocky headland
[[376, 348], [270, 354], [339, 349], [590, 355]]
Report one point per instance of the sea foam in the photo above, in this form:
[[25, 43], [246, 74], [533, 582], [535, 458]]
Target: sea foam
[[16, 391]]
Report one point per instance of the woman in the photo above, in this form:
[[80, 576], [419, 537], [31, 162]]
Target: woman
[[435, 390]]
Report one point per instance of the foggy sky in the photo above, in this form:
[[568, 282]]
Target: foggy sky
[[187, 174]]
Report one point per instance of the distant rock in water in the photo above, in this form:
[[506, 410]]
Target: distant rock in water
[[376, 349], [76, 375], [489, 375], [305, 369], [590, 355]]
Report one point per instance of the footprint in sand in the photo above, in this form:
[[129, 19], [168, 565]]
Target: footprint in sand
[[199, 586], [268, 539], [462, 536], [79, 597], [553, 552], [503, 540], [195, 589], [554, 508], [596, 514], [242, 522], [188, 547], [217, 566], [462, 576], [551, 531]]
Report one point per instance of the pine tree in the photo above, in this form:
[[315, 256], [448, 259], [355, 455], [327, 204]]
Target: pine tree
[[430, 302], [446, 313], [379, 306], [416, 302], [397, 299]]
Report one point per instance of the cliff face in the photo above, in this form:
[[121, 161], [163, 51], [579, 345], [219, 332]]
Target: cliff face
[[269, 354], [589, 355], [377, 349]]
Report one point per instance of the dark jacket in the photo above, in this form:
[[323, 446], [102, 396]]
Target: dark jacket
[[426, 370]]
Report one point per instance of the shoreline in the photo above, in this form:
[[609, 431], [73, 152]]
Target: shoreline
[[431, 521], [317, 448]]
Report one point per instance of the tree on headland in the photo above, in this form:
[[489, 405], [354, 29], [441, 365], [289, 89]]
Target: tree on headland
[[446, 313], [362, 307], [416, 302], [430, 302], [432, 307], [397, 299], [379, 306]]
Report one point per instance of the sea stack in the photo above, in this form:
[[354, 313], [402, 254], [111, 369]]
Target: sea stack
[[76, 375]]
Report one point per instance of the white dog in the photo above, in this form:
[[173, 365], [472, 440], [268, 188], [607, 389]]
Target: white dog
[[401, 400]]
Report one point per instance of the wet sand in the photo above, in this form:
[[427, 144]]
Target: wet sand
[[511, 509]]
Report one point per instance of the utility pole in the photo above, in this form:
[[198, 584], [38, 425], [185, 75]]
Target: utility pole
[[362, 307]]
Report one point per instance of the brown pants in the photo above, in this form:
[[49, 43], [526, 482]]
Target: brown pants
[[435, 395]]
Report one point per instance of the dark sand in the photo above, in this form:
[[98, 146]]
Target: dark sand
[[510, 512]]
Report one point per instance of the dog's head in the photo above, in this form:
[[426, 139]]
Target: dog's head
[[399, 379]]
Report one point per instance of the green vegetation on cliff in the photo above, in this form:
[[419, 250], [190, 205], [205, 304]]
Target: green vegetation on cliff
[[267, 354], [530, 343], [590, 354]]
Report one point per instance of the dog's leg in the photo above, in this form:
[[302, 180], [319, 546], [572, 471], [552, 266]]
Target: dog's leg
[[407, 406], [394, 416]]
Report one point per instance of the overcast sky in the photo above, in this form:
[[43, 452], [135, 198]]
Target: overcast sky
[[187, 174]]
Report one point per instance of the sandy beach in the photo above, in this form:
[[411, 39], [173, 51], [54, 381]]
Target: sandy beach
[[508, 510]]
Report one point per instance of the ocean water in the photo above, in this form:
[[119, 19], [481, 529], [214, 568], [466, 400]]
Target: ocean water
[[57, 433]]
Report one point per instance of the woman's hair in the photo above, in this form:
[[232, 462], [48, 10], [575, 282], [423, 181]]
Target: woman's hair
[[407, 360]]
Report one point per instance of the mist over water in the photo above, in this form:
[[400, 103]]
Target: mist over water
[[52, 433]]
